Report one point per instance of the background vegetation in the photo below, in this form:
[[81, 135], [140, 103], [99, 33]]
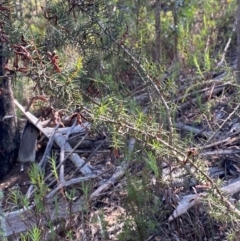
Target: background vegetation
[[135, 68]]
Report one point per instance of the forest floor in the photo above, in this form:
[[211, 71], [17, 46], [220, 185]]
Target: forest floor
[[209, 112]]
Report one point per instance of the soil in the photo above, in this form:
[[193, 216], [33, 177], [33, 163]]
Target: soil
[[15, 180]]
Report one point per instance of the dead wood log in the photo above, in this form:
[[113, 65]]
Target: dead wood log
[[48, 130], [59, 139], [27, 150], [23, 220], [116, 176], [78, 162], [191, 200], [87, 143]]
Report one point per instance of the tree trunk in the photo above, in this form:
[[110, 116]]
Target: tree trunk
[[158, 31], [238, 44], [175, 22], [8, 127]]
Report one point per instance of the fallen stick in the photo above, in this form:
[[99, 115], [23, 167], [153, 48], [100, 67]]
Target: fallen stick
[[71, 182], [194, 130], [59, 139], [223, 124], [43, 162], [204, 96], [110, 182], [191, 200], [20, 221], [48, 130], [62, 154], [116, 176], [75, 181], [220, 152], [228, 140]]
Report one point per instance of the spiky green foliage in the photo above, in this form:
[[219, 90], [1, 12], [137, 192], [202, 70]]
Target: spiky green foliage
[[92, 27], [96, 60]]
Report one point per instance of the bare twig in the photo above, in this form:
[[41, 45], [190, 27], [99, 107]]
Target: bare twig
[[117, 175], [194, 130], [70, 182], [169, 118], [204, 95], [226, 120], [220, 152], [227, 45]]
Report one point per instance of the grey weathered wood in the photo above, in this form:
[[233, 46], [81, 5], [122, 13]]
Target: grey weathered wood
[[120, 172], [78, 162], [27, 150], [194, 130], [23, 220], [48, 130], [59, 139], [191, 200]]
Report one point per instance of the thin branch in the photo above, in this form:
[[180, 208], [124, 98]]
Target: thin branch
[[226, 120], [170, 125], [227, 45]]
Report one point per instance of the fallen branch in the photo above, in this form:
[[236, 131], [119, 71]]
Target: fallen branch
[[20, 221], [226, 141], [48, 130], [191, 200], [204, 96], [110, 182], [43, 162], [59, 138], [220, 152], [220, 127], [194, 130], [116, 176], [71, 182]]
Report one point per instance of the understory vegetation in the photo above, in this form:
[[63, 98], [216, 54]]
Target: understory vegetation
[[153, 84]]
